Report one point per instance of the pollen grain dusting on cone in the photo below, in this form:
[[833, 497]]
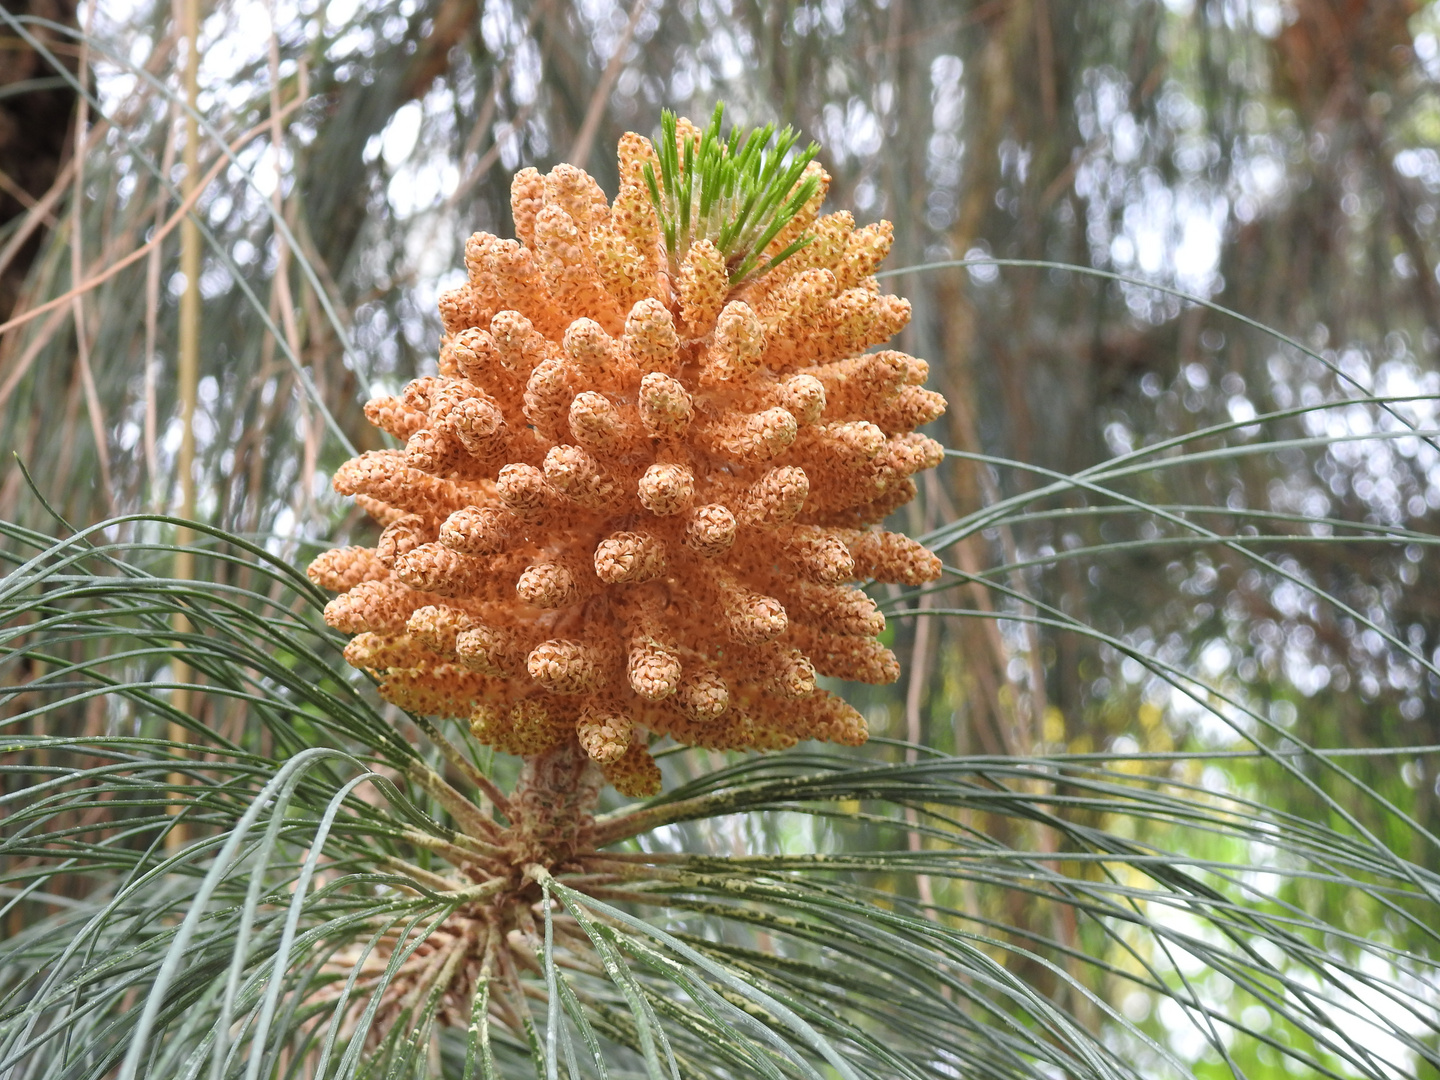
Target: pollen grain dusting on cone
[[655, 457]]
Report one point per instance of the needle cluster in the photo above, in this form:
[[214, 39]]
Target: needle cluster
[[737, 192]]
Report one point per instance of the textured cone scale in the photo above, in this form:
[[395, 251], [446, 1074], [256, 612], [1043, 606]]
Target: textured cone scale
[[632, 501]]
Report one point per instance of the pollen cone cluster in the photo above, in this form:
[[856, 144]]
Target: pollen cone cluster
[[635, 497]]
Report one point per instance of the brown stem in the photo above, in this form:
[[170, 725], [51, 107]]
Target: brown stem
[[554, 803], [433, 882], [481, 849], [628, 871], [465, 765], [610, 830], [462, 852], [463, 810]]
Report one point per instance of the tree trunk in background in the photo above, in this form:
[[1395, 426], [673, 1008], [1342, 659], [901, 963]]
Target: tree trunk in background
[[35, 125]]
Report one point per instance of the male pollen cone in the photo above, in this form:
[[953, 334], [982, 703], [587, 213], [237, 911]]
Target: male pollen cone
[[630, 505]]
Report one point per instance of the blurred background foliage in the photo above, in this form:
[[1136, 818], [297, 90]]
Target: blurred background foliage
[[1250, 556]]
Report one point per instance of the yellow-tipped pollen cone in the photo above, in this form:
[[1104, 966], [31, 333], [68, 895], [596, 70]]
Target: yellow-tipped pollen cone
[[633, 500]]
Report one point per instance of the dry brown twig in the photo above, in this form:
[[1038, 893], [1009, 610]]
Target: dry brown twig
[[94, 281]]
